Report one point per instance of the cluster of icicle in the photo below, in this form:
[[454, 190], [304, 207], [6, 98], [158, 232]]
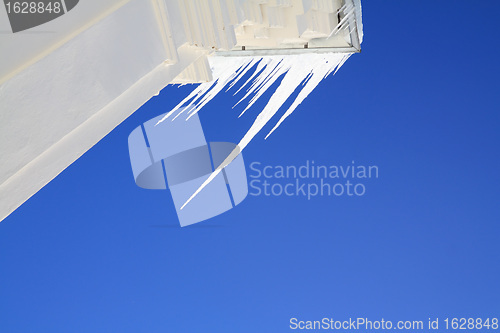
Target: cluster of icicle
[[349, 10], [304, 71]]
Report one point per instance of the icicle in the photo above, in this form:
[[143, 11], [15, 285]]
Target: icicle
[[317, 75], [224, 71], [304, 70], [349, 11]]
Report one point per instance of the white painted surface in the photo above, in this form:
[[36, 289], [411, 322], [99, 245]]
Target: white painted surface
[[66, 84]]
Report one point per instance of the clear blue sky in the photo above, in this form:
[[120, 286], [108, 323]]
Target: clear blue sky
[[92, 252]]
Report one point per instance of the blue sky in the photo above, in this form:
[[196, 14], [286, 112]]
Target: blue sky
[[91, 252]]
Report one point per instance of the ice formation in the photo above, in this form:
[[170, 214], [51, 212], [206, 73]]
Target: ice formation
[[302, 71], [167, 42]]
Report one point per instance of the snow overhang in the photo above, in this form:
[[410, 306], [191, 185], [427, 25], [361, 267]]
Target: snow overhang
[[296, 27]]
